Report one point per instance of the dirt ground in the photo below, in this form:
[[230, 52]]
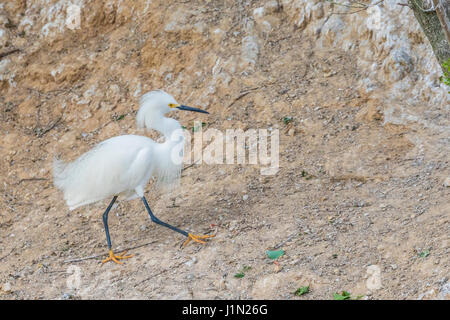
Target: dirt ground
[[359, 203]]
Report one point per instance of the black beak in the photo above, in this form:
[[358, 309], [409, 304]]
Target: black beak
[[192, 109]]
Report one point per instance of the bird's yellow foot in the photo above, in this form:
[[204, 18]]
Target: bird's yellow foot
[[116, 258], [197, 238]]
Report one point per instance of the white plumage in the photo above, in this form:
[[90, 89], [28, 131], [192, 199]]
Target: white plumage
[[123, 165]]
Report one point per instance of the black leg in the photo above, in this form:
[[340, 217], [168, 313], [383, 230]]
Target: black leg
[[156, 220], [105, 221]]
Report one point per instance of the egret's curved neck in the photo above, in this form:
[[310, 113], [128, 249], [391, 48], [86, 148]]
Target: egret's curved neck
[[166, 126], [170, 153]]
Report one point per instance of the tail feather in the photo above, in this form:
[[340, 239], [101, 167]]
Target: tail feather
[[59, 167]]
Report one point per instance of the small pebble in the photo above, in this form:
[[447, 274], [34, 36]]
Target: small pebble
[[6, 287], [191, 262]]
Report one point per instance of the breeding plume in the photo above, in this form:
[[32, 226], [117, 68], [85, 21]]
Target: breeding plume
[[123, 165]]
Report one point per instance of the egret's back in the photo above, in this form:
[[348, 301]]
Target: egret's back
[[119, 165]]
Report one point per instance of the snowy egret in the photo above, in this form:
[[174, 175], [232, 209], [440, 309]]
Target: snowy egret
[[123, 165]]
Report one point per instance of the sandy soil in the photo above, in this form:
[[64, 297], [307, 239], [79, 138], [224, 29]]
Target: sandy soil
[[354, 193]]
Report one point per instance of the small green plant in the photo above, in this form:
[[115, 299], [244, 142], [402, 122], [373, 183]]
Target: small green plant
[[424, 253], [301, 291], [446, 77], [288, 120], [241, 273], [306, 175], [345, 295], [118, 118]]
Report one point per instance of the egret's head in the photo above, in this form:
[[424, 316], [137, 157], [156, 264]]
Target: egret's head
[[155, 104]]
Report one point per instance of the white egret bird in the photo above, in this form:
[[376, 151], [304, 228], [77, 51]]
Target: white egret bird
[[123, 165]]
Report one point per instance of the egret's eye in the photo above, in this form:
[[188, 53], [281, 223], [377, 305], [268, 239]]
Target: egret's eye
[[172, 105]]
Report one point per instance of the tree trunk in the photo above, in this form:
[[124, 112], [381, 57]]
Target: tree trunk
[[434, 18], [443, 13]]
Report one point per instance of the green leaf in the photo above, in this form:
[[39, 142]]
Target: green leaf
[[301, 291], [446, 69], [424, 253], [241, 273], [306, 175], [343, 296], [118, 118], [275, 254], [287, 120]]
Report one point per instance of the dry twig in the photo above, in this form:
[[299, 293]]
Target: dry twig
[[7, 53]]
